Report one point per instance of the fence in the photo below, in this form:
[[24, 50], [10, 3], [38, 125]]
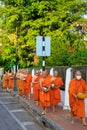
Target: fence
[[62, 72]]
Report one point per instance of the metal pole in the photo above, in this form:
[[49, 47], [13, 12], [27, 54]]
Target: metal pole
[[16, 49], [43, 53], [15, 80]]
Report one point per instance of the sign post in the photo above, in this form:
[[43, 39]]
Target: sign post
[[43, 53], [43, 48]]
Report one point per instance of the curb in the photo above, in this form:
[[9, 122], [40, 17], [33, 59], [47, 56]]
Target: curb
[[40, 118]]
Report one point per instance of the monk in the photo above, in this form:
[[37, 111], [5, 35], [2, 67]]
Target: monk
[[23, 82], [47, 73], [19, 75], [56, 82], [5, 81], [77, 85], [27, 85], [11, 81], [45, 91], [18, 79], [36, 86]]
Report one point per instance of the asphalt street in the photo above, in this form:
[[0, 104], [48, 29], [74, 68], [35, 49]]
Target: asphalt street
[[13, 116]]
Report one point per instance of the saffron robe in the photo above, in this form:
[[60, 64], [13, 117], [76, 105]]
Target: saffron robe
[[18, 80], [45, 96], [77, 105], [55, 92], [21, 83], [6, 81], [11, 80], [27, 85], [36, 88]]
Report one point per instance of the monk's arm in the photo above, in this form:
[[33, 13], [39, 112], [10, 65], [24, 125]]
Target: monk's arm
[[71, 90], [33, 80], [41, 84]]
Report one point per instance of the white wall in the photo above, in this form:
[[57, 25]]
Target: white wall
[[67, 81], [62, 98], [86, 106], [1, 72]]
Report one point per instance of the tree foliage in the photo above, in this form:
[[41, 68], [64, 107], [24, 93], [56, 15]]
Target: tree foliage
[[54, 18]]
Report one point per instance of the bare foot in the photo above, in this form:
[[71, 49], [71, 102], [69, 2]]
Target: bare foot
[[29, 98], [72, 122], [84, 124], [54, 108], [24, 96], [37, 103], [43, 113]]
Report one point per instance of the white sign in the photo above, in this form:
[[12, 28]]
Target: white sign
[[39, 46]]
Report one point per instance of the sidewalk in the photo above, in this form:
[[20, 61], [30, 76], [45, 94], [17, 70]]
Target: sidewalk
[[59, 120]]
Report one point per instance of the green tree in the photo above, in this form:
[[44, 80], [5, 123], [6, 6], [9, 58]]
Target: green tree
[[56, 19]]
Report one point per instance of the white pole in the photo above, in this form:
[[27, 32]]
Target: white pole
[[67, 81]]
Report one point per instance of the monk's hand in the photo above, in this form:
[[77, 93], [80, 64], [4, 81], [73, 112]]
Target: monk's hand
[[38, 82], [75, 96]]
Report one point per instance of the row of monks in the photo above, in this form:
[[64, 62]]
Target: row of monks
[[46, 88]]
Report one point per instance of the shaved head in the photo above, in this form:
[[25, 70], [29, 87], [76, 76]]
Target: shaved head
[[78, 73]]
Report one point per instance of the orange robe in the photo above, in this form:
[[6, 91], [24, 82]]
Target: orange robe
[[45, 96], [11, 81], [6, 81], [77, 105], [27, 85], [36, 88], [55, 92], [19, 85], [23, 82], [18, 80]]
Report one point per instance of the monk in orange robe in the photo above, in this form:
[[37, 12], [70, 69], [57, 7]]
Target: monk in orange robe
[[45, 91], [18, 79], [77, 85], [56, 82], [23, 82], [27, 85], [21, 88], [36, 86], [5, 81], [11, 81]]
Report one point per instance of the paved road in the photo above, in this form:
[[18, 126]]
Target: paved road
[[14, 117]]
